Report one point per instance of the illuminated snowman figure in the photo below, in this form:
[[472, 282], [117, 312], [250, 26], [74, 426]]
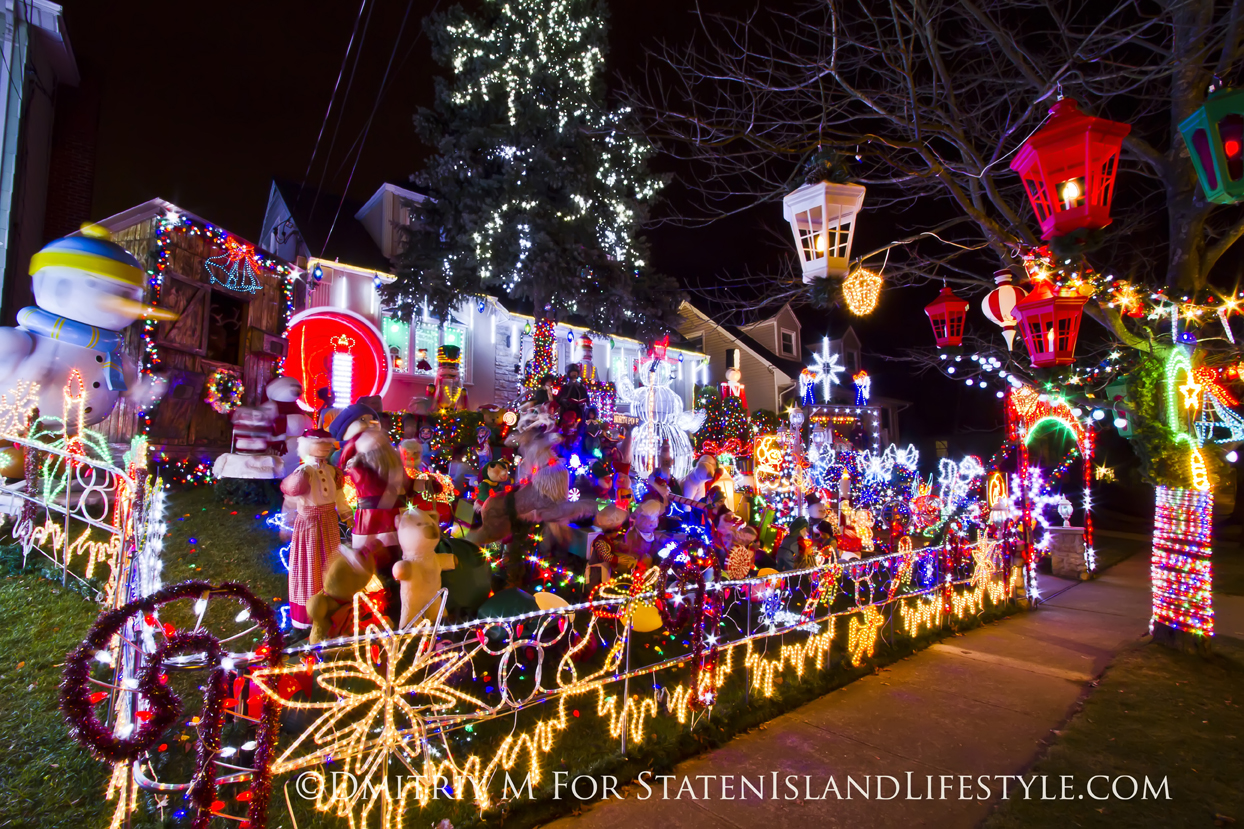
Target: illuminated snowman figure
[[661, 419], [87, 291]]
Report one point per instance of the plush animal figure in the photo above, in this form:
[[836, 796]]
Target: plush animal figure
[[543, 483], [642, 539], [331, 611], [419, 571], [695, 486], [288, 419]]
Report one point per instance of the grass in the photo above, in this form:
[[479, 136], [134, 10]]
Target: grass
[[1155, 712], [46, 779], [43, 770]]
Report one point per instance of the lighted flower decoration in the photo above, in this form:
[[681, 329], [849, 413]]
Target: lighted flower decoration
[[386, 695]]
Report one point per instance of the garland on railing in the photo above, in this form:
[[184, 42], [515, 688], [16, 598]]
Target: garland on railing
[[146, 698]]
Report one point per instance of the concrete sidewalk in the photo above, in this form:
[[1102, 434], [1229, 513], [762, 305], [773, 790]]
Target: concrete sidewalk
[[977, 704]]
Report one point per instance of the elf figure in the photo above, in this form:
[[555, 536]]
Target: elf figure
[[312, 487], [494, 480]]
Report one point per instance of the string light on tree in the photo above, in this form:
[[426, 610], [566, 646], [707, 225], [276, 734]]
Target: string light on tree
[[861, 290]]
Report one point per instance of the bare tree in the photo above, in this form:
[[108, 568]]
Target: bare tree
[[931, 100]]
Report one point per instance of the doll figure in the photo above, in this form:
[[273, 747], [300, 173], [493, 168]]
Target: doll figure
[[643, 541], [312, 487], [792, 554], [494, 480]]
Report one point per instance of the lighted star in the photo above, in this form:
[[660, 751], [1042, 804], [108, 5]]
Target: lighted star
[[1192, 392], [387, 694]]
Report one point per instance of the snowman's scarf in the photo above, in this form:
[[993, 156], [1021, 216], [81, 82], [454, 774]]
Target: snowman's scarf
[[55, 327]]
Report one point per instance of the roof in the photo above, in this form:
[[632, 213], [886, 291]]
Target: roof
[[790, 368], [313, 212], [153, 208]]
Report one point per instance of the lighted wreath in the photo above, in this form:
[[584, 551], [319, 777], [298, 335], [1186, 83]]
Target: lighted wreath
[[224, 390]]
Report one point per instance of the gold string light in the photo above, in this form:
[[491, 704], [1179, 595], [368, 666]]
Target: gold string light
[[861, 290]]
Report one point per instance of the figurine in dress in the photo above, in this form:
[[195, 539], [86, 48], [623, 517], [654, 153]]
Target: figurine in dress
[[312, 487]]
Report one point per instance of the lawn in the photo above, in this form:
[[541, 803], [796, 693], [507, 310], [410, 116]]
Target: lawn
[[211, 541], [1155, 712]]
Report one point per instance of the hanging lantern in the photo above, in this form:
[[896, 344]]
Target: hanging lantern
[[822, 219], [1050, 324], [999, 305], [1215, 138], [1068, 167], [947, 313], [861, 290]]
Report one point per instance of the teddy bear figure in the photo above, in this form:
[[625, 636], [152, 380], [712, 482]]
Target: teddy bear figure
[[331, 611], [419, 572]]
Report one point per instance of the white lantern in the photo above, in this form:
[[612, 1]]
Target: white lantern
[[822, 219]]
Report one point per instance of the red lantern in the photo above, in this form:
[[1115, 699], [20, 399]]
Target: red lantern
[[1068, 167], [947, 313], [1050, 324]]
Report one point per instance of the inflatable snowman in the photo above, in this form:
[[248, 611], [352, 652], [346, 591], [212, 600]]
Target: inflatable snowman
[[662, 420], [87, 291]]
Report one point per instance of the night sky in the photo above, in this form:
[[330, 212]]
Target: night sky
[[204, 106]]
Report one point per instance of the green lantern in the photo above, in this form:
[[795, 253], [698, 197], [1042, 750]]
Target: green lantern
[[1215, 138]]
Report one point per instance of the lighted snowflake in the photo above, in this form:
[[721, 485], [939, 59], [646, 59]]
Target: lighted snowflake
[[385, 697], [826, 366]]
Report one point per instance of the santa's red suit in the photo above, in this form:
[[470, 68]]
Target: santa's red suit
[[379, 504]]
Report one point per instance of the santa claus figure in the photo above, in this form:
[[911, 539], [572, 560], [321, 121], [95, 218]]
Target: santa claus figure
[[369, 462], [312, 488], [733, 387]]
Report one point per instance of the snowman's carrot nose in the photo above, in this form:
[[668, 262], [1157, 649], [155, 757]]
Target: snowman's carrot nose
[[137, 310]]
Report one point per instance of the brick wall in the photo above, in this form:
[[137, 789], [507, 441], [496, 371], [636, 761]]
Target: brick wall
[[71, 175]]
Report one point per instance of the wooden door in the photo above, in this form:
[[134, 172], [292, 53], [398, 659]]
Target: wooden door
[[189, 331], [176, 411]]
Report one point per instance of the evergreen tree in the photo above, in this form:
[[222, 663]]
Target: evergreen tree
[[537, 190]]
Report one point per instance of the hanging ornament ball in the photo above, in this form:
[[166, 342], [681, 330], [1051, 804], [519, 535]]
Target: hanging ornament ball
[[861, 290], [12, 463], [224, 390], [646, 619], [999, 305]]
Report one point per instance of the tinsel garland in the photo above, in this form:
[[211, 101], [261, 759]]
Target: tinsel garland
[[165, 707]]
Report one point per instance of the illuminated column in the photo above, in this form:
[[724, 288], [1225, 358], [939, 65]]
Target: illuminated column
[[1180, 568], [342, 372]]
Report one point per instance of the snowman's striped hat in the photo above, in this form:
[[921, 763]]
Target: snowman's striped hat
[[91, 253]]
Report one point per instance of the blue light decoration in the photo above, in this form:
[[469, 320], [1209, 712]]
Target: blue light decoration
[[863, 388], [236, 269], [317, 273], [1187, 338]]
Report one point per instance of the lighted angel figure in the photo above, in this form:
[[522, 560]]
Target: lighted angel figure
[[661, 419]]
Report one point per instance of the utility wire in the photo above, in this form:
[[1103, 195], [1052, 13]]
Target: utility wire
[[375, 106], [323, 124], [341, 112]]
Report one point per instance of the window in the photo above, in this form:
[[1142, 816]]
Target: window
[[788, 342], [397, 340], [430, 337], [226, 319], [942, 448], [852, 362]]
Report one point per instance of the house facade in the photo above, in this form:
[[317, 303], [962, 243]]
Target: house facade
[[347, 261]]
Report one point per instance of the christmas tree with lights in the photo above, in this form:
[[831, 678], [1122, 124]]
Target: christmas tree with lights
[[537, 189]]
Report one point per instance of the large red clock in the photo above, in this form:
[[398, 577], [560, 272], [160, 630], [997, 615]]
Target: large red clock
[[337, 350]]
